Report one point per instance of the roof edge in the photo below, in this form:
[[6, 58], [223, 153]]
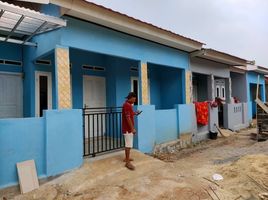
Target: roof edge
[[112, 19]]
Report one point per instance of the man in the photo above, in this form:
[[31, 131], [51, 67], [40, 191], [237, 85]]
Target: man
[[128, 127]]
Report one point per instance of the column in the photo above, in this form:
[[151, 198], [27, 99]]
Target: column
[[211, 88], [62, 73], [188, 87], [144, 83]]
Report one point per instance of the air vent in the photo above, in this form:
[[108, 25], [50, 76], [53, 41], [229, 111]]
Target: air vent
[[43, 62], [134, 69], [10, 62], [93, 68]]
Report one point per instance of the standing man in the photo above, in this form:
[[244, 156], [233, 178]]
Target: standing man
[[128, 127]]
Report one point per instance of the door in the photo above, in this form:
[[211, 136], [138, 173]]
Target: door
[[43, 93], [135, 88], [11, 92], [94, 96], [220, 88]]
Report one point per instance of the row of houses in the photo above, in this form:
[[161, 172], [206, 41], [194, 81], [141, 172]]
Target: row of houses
[[62, 58]]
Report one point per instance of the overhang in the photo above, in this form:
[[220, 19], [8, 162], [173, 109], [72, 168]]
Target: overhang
[[19, 25], [221, 57], [258, 69], [109, 18]]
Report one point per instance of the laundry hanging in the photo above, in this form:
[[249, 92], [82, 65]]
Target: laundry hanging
[[201, 113]]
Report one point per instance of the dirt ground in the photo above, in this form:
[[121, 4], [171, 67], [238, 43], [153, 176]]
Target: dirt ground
[[183, 175]]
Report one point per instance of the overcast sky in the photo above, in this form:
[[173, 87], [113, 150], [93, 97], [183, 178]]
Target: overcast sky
[[238, 27]]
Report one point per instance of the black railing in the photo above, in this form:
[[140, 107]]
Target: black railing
[[102, 130]]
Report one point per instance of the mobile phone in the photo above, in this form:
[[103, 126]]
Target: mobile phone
[[139, 112]]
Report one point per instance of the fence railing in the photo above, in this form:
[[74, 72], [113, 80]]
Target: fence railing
[[102, 130]]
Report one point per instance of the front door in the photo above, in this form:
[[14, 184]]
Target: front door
[[94, 96], [43, 93], [94, 90], [135, 88]]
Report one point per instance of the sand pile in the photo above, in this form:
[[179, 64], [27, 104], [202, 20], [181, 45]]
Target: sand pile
[[247, 177]]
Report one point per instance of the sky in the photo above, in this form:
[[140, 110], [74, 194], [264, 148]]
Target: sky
[[237, 27]]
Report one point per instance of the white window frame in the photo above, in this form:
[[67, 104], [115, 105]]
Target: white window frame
[[49, 90]]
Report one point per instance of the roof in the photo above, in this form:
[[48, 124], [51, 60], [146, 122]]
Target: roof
[[221, 57], [121, 22], [19, 24], [258, 69]]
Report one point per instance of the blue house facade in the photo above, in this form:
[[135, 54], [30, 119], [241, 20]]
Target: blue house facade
[[92, 59], [85, 64]]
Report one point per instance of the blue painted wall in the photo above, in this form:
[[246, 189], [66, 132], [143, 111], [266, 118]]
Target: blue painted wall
[[185, 118], [18, 144], [252, 78], [64, 140], [91, 37], [145, 139], [55, 142], [166, 86], [117, 73], [166, 122], [11, 51]]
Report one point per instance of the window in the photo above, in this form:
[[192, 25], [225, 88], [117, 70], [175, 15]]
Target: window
[[222, 92], [217, 91]]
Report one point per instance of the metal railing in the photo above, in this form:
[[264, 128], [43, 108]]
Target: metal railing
[[102, 130]]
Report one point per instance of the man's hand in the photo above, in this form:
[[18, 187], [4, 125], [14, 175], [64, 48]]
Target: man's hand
[[133, 131], [138, 112]]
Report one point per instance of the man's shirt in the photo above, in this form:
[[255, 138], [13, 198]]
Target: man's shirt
[[127, 112]]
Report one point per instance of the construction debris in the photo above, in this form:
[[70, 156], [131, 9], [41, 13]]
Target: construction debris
[[27, 176]]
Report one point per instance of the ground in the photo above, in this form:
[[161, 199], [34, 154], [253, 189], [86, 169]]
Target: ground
[[183, 174]]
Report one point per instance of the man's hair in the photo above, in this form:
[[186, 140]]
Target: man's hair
[[130, 95]]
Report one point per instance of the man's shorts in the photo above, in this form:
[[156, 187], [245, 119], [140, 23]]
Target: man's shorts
[[128, 140]]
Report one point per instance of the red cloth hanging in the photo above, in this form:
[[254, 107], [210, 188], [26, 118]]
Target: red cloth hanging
[[201, 112]]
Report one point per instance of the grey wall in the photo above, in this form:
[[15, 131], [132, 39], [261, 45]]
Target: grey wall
[[202, 87], [235, 116], [204, 66], [239, 84]]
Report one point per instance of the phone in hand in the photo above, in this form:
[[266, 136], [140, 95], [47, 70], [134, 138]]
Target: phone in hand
[[138, 112]]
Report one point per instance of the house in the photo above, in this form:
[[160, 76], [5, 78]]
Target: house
[[92, 59], [64, 76], [234, 80], [216, 75], [255, 75]]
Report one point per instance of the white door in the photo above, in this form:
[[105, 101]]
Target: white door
[[11, 92], [43, 92], [94, 96], [220, 88]]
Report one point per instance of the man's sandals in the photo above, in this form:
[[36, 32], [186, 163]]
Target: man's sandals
[[131, 159], [129, 166]]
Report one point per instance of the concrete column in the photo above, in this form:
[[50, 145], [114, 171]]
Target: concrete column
[[63, 83], [228, 86], [211, 88], [143, 71], [188, 87]]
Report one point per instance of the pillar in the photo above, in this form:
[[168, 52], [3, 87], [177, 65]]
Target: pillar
[[63, 78], [143, 71], [188, 87]]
